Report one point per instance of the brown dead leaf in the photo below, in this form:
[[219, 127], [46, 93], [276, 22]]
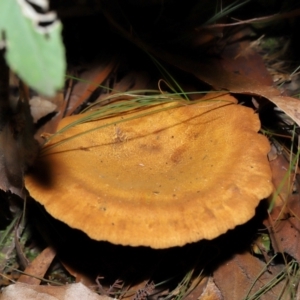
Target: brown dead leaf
[[239, 57], [198, 290], [211, 292], [76, 291], [235, 278], [250, 65], [18, 149], [284, 228], [88, 83], [284, 221], [212, 72], [10, 169], [38, 267], [132, 81], [291, 106]]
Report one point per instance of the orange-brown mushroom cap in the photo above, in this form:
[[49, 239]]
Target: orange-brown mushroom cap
[[164, 179]]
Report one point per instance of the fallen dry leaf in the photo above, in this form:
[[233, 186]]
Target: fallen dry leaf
[[284, 228], [132, 81], [236, 276], [214, 73], [218, 72], [283, 223], [211, 291], [18, 149], [291, 106], [198, 290], [240, 57], [88, 82], [38, 267], [76, 291]]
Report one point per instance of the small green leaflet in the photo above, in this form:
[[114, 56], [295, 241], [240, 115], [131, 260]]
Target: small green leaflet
[[36, 53]]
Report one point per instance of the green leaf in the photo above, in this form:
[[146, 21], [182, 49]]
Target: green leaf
[[37, 57]]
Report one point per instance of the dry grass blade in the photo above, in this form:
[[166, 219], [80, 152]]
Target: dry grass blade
[[137, 103]]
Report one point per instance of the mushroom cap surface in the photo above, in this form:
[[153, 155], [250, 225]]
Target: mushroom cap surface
[[164, 179]]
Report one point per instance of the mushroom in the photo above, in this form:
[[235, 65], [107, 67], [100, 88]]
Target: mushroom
[[158, 179]]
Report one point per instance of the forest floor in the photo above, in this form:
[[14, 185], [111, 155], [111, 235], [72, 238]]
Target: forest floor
[[120, 61]]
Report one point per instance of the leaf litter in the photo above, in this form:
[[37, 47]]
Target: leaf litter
[[236, 276]]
